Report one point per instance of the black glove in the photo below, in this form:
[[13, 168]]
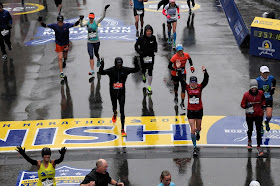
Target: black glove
[[272, 91], [20, 150], [135, 60], [82, 17], [107, 6], [62, 151], [40, 19], [9, 26], [248, 105]]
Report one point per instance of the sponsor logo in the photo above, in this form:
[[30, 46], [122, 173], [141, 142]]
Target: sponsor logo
[[109, 29], [266, 48], [19, 9]]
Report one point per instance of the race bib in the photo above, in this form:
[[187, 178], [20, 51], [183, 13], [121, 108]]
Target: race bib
[[117, 85], [148, 59], [194, 100], [173, 16], [47, 182], [250, 110], [267, 95], [4, 32], [139, 12], [92, 35]]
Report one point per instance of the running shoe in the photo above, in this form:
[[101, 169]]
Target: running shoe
[[267, 128], [176, 100], [197, 136], [141, 32], [137, 34], [260, 151], [91, 73], [174, 45], [123, 133], [144, 78], [98, 63], [62, 75], [249, 147], [195, 152], [149, 90], [5, 56], [183, 106], [169, 40], [114, 118], [64, 64]]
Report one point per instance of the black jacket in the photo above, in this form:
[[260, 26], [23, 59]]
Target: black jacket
[[100, 179], [118, 75], [146, 46]]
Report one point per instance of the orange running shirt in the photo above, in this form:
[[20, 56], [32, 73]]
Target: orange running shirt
[[183, 61]]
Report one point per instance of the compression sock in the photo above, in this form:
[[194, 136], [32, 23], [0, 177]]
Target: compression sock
[[193, 139], [169, 35], [174, 37]]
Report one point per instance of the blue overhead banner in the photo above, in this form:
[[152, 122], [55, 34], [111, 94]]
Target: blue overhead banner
[[236, 22]]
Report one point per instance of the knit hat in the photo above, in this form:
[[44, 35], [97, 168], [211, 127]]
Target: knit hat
[[253, 83]]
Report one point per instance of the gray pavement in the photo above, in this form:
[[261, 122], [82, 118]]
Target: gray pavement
[[31, 90]]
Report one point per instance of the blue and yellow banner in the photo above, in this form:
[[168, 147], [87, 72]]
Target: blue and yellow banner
[[87, 133]]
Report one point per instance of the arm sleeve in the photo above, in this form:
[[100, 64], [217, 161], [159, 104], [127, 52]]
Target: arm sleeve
[[82, 24], [273, 82], [156, 47], [58, 161], [164, 12], [103, 72], [77, 23], [178, 9], [33, 162], [170, 66], [190, 61], [52, 26], [136, 46], [10, 19], [102, 17], [205, 79], [243, 102]]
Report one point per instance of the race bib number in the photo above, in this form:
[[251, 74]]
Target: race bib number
[[194, 100], [250, 110], [117, 85], [139, 12], [92, 35], [267, 95], [4, 32], [148, 59], [173, 16], [47, 182]]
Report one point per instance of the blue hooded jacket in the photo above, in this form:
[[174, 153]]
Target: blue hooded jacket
[[5, 19]]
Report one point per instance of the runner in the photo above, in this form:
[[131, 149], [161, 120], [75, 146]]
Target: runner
[[58, 4], [195, 107], [118, 75], [45, 167], [61, 39], [170, 12], [177, 64], [189, 4], [138, 10], [267, 84], [146, 46], [6, 22], [165, 179], [93, 39], [254, 103]]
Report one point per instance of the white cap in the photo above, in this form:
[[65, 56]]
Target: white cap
[[264, 69], [255, 183]]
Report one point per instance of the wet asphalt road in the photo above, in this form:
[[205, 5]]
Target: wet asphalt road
[[31, 90]]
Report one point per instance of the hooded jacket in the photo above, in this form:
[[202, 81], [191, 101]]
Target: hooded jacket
[[146, 46], [118, 76]]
